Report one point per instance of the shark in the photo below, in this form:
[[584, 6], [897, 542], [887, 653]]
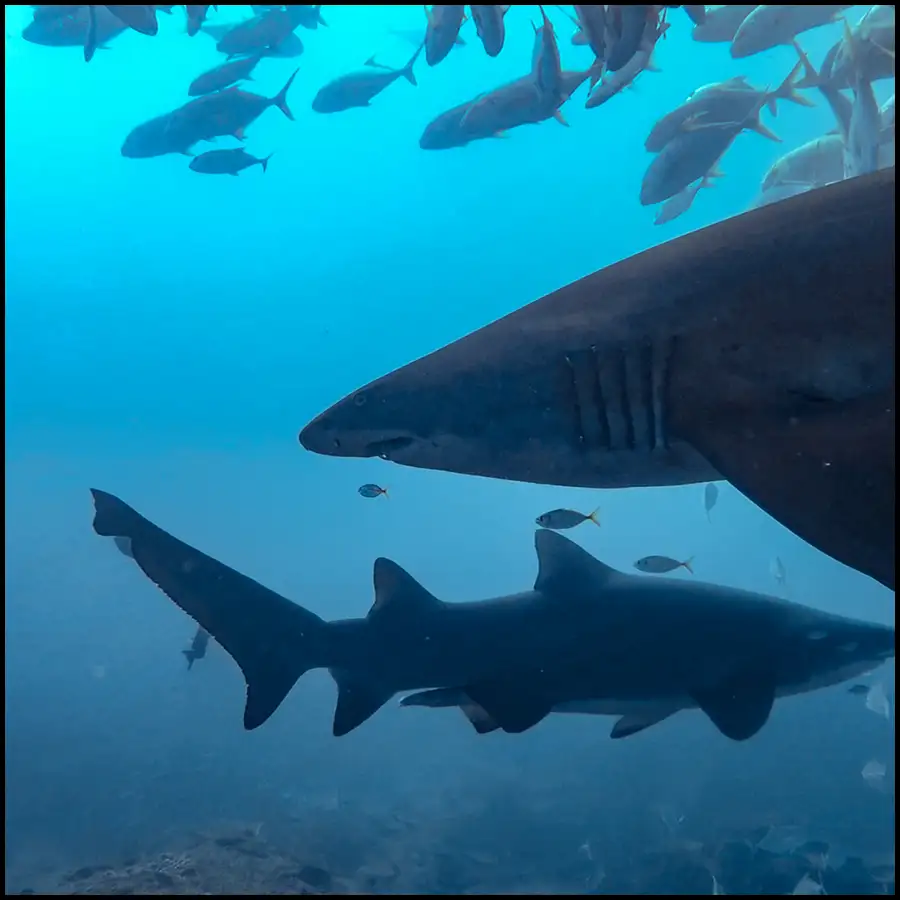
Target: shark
[[759, 350], [584, 632]]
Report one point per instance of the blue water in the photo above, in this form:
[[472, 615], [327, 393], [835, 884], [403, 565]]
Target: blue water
[[168, 334]]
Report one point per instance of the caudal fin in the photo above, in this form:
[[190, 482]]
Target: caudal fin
[[280, 99], [273, 640], [408, 73], [787, 90]]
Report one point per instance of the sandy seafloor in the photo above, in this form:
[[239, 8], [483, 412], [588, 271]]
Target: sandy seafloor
[[344, 854]]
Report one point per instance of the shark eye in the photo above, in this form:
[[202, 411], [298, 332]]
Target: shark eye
[[360, 399]]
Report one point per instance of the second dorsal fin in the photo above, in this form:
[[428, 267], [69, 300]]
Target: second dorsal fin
[[398, 594]]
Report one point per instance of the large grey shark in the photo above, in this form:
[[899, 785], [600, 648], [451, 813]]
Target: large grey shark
[[759, 350], [584, 632]]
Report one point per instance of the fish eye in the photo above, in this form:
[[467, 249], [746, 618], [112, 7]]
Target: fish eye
[[360, 399]]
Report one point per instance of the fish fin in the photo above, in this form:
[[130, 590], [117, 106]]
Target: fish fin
[[440, 698], [651, 63], [407, 70], [371, 61], [882, 48], [593, 517], [90, 40], [502, 135], [239, 133], [633, 723], [560, 118], [280, 99], [508, 707], [189, 656], [757, 126], [562, 563], [787, 91], [358, 700], [319, 18], [123, 545], [689, 564], [812, 78], [740, 705], [436, 698], [233, 174], [479, 718], [273, 640], [264, 162], [459, 42], [398, 594], [829, 478]]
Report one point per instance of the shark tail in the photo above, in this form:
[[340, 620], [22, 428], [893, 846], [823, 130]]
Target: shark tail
[[273, 640]]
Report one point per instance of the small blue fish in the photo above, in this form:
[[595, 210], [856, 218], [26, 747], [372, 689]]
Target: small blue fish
[[372, 490]]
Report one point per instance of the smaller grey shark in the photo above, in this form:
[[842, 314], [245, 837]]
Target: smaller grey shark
[[585, 632]]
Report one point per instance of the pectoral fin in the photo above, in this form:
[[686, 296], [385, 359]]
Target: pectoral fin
[[828, 477], [632, 723], [509, 708], [740, 704]]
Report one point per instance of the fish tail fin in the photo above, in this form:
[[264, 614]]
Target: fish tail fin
[[593, 516], [595, 72], [689, 564], [811, 78], [189, 656], [787, 90], [280, 99], [408, 73], [757, 126], [651, 63], [319, 18], [384, 491], [264, 162], [273, 640]]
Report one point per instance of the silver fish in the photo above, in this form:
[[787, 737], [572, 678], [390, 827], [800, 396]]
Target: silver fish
[[561, 519], [659, 565]]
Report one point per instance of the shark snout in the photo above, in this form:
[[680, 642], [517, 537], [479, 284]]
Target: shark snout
[[318, 437], [325, 437]]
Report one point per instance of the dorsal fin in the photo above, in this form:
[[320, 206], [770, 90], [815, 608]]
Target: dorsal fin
[[397, 593], [562, 564]]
